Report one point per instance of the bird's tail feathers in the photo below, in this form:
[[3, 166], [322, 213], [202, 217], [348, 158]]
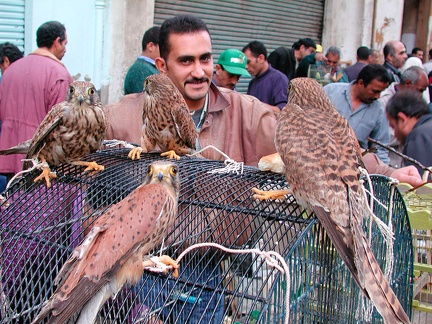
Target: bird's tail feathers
[[21, 148], [373, 281]]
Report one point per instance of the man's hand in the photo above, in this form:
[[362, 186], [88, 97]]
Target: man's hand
[[408, 174]]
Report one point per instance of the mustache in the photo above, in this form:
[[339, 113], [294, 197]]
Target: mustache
[[196, 80]]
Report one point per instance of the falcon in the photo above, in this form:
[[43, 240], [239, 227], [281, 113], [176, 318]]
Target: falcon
[[167, 122], [322, 160], [111, 254], [71, 129]]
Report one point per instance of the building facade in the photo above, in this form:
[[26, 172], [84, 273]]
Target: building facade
[[105, 35]]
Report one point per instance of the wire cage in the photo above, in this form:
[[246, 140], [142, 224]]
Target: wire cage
[[40, 227]]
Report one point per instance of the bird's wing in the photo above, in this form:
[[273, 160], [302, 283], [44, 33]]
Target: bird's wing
[[125, 226], [48, 124], [314, 167], [185, 126], [322, 162]]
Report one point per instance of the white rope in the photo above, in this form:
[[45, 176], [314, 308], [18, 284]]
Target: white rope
[[36, 165], [114, 142], [388, 271], [231, 166], [364, 305], [271, 257]]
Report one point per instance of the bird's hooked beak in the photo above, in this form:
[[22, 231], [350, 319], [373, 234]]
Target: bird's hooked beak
[[80, 99], [160, 176]]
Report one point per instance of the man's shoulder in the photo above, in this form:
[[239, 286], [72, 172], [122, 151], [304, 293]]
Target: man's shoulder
[[336, 87], [236, 100]]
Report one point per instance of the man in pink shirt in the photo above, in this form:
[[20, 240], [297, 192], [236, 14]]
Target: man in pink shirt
[[29, 88]]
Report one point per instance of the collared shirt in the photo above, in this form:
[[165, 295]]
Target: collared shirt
[[394, 73], [368, 120], [148, 59], [270, 87]]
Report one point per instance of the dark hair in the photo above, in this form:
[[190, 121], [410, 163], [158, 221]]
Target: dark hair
[[416, 49], [389, 49], [48, 32], [363, 53], [151, 35], [282, 59], [183, 24], [257, 48], [10, 51], [430, 53], [408, 101], [306, 42], [373, 71]]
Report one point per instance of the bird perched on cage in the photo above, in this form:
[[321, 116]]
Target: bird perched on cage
[[167, 122], [322, 160], [71, 129], [111, 254]]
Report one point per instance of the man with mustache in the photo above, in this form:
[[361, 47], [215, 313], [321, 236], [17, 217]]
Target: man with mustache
[[357, 102], [239, 125]]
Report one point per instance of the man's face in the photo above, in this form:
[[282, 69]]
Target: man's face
[[398, 126], [400, 56], [254, 64], [420, 86], [225, 79], [419, 54], [304, 51], [189, 64], [374, 58], [372, 91], [61, 47], [332, 60]]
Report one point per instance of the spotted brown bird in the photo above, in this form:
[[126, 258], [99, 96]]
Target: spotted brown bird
[[322, 161], [71, 129], [167, 122], [111, 254]]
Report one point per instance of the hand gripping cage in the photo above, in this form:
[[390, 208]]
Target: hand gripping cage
[[40, 227]]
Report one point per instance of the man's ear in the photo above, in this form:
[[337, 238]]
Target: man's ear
[[161, 65], [402, 118]]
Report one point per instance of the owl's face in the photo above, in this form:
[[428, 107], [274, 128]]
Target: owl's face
[[83, 92]]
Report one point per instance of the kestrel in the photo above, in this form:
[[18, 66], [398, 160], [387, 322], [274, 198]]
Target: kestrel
[[111, 254], [71, 129], [167, 122], [322, 160]]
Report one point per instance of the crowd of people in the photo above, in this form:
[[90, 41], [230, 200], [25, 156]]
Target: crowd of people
[[360, 92], [380, 101]]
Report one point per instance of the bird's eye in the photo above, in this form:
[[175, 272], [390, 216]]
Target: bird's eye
[[146, 83], [173, 170], [91, 91], [150, 170], [71, 90], [290, 87]]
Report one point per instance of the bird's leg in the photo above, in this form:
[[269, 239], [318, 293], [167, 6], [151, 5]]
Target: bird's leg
[[91, 166], [270, 194], [46, 174], [171, 155], [161, 262]]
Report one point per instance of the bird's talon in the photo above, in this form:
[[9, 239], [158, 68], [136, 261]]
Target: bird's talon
[[93, 166], [46, 175], [270, 194], [171, 155], [135, 153]]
